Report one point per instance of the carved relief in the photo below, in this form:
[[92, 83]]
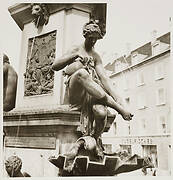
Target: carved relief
[[39, 78]]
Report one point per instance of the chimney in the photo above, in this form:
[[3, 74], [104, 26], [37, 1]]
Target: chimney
[[153, 36]]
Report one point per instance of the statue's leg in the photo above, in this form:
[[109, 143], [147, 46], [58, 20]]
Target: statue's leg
[[76, 94], [76, 90], [82, 80], [100, 117]]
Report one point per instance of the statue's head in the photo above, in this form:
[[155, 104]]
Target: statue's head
[[37, 9], [92, 29], [5, 59], [40, 13], [13, 165]]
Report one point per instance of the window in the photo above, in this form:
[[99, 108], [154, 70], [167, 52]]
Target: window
[[156, 48], [126, 148], [135, 58], [115, 128], [162, 124], [141, 102], [160, 97], [140, 79], [169, 159], [151, 152], [159, 71], [143, 125], [129, 129]]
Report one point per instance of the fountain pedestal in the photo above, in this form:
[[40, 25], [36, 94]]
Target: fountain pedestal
[[41, 133]]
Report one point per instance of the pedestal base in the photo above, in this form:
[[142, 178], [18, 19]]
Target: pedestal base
[[40, 133], [109, 166]]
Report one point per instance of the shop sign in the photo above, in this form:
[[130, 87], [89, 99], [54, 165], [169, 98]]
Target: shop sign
[[138, 140]]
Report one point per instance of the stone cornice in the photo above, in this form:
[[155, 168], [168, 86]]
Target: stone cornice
[[21, 13], [47, 117]]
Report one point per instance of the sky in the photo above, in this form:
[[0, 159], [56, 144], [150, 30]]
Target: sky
[[128, 22], [132, 21]]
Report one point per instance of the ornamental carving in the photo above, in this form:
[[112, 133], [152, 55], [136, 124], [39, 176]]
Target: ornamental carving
[[40, 13], [39, 78]]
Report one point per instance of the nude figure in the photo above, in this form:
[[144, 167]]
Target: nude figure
[[86, 76], [9, 85]]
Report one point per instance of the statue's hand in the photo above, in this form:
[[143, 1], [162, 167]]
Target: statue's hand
[[127, 116]]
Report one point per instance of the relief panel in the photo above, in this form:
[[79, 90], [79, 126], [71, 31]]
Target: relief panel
[[39, 78]]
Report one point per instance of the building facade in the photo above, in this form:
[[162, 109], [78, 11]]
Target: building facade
[[143, 79]]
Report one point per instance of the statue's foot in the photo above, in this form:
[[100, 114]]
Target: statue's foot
[[127, 116]]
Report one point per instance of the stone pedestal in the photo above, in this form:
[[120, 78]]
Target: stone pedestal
[[36, 135]]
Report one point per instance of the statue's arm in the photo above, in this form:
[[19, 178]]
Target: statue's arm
[[105, 80], [65, 60]]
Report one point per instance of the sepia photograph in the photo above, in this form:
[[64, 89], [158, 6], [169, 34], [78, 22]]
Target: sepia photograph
[[86, 88]]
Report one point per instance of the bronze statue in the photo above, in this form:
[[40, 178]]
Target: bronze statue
[[89, 89], [9, 85]]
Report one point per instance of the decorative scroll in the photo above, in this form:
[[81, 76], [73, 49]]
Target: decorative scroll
[[39, 78]]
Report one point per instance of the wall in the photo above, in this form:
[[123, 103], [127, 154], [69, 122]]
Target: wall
[[151, 111]]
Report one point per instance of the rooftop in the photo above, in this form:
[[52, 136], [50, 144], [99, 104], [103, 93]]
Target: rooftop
[[144, 53]]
